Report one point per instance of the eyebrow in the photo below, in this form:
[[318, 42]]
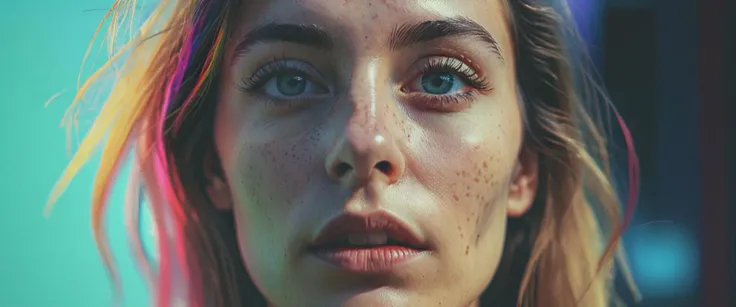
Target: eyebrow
[[424, 32], [401, 37], [301, 34]]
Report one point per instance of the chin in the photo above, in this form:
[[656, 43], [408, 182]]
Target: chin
[[380, 297]]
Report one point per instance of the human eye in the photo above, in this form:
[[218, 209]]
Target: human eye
[[445, 84], [283, 80]]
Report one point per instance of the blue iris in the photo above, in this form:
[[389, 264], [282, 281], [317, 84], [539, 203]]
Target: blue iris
[[440, 83], [290, 84]]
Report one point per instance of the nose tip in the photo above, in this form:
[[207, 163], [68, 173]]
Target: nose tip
[[356, 160]]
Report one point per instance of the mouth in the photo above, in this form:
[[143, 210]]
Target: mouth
[[377, 243]]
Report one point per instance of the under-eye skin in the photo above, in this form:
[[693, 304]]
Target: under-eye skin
[[285, 83], [444, 84]]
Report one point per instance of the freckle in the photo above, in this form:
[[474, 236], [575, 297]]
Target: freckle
[[467, 220], [467, 249], [476, 179], [467, 194]]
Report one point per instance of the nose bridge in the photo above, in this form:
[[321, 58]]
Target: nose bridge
[[367, 148], [366, 93]]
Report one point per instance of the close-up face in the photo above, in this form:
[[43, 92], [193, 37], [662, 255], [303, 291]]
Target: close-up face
[[371, 151]]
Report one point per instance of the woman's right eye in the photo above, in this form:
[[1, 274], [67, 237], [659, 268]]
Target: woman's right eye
[[288, 84]]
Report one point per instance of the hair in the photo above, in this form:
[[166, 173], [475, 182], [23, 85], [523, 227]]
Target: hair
[[560, 253]]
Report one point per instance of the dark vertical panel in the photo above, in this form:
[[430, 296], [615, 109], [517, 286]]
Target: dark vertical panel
[[629, 71], [678, 134], [731, 102], [678, 154], [715, 251]]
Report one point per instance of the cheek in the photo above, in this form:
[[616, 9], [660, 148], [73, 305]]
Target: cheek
[[471, 180], [476, 195], [267, 165], [267, 177]]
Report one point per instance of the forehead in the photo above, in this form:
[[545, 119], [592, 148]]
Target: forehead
[[372, 20]]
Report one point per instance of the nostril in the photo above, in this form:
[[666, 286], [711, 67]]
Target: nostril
[[342, 169], [385, 167]]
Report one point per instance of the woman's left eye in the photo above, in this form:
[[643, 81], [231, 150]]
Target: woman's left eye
[[439, 83], [288, 85]]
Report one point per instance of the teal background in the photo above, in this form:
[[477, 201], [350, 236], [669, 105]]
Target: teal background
[[50, 262]]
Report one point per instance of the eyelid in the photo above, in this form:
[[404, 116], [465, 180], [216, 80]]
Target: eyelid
[[462, 68], [278, 65]]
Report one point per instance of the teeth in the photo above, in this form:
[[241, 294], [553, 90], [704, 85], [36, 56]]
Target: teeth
[[377, 238], [370, 238], [357, 239]]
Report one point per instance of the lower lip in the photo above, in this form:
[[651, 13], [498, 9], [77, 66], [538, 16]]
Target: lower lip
[[368, 260]]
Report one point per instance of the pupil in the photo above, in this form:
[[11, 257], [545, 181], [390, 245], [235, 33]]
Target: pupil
[[438, 83], [291, 85]]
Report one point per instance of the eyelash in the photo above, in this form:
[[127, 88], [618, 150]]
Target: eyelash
[[273, 68], [452, 65], [454, 101]]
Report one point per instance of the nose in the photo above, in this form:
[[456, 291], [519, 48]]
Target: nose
[[364, 153]]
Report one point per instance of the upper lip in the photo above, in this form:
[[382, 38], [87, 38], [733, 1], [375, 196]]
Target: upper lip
[[345, 224]]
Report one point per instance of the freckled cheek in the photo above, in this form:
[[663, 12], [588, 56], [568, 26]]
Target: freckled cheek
[[475, 191], [276, 173], [472, 189]]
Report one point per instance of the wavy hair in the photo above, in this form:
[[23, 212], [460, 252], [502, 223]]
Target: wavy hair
[[560, 253]]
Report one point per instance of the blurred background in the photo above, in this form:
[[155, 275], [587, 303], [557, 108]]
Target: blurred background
[[668, 65]]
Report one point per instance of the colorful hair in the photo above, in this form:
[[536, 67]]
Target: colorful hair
[[165, 84], [156, 70]]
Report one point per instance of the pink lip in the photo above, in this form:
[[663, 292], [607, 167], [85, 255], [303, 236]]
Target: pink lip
[[368, 260], [405, 243]]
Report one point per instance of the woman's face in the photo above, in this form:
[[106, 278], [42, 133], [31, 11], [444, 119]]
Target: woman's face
[[371, 150]]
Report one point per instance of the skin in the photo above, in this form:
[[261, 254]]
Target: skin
[[456, 172]]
